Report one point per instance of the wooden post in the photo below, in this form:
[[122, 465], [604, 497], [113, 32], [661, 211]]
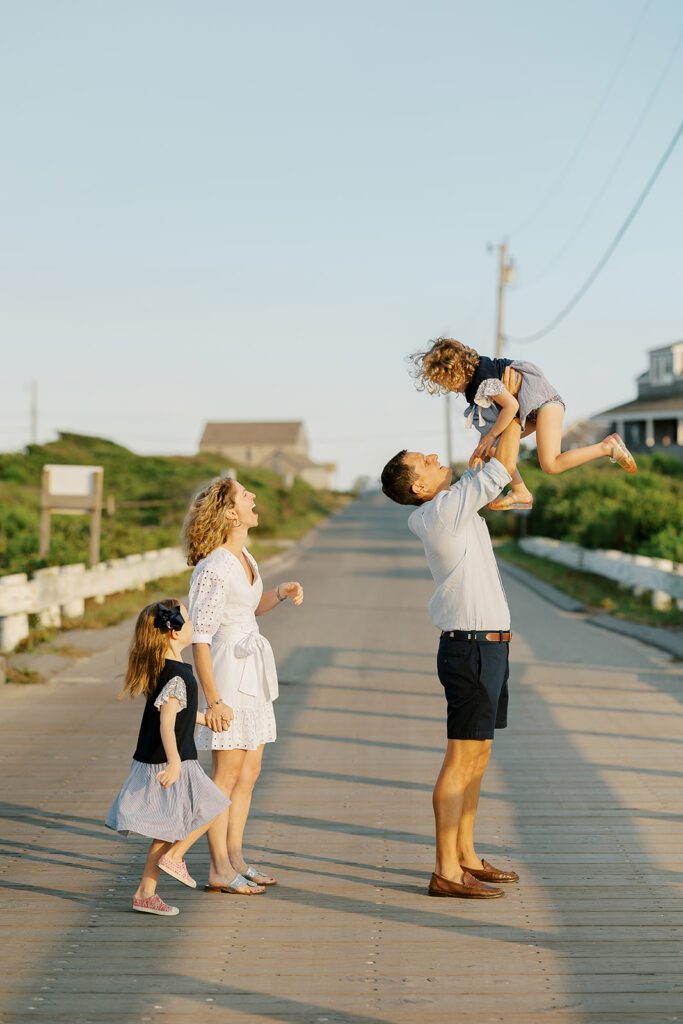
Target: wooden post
[[96, 520], [72, 490], [44, 545]]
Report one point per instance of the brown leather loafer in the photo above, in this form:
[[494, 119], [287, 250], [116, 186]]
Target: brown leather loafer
[[468, 889], [491, 874]]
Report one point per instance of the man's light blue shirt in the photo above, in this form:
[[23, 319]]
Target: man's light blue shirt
[[469, 591]]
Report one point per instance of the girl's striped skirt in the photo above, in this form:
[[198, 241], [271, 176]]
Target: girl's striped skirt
[[145, 808]]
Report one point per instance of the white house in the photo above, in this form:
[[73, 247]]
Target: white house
[[653, 420]]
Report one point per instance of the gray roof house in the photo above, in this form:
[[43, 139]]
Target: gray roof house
[[653, 420], [279, 446]]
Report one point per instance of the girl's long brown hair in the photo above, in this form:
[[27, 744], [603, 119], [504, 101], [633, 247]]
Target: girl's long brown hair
[[206, 525], [148, 650], [447, 366]]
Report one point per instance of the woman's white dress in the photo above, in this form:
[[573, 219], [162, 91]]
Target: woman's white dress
[[222, 607]]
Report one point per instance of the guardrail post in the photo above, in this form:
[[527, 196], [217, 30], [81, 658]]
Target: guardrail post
[[72, 578], [13, 628]]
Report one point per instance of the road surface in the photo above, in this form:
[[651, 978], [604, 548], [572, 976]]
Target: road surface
[[583, 797]]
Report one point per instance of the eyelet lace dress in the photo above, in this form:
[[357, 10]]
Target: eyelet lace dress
[[222, 607]]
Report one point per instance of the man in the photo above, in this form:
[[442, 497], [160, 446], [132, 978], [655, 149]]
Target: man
[[471, 610]]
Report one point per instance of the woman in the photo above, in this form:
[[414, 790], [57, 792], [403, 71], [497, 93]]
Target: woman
[[234, 663]]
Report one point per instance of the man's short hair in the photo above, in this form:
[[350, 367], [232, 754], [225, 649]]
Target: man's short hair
[[398, 480]]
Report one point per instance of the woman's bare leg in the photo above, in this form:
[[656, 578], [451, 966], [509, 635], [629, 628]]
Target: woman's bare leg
[[549, 443], [241, 804], [227, 768]]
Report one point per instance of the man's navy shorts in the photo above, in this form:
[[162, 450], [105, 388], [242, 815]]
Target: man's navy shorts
[[474, 676]]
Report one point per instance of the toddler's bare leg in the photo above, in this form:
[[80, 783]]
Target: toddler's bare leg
[[549, 443]]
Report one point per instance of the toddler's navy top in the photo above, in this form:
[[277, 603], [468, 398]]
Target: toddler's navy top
[[487, 369]]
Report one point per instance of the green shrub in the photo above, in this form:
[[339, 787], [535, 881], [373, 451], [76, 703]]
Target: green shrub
[[168, 481], [600, 506]]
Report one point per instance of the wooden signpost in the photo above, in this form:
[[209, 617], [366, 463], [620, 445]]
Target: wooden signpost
[[72, 490]]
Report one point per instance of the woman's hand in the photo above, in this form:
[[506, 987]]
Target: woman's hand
[[483, 450], [294, 591], [218, 717], [170, 774]]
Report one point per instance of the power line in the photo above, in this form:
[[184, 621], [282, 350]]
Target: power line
[[566, 310], [610, 177], [589, 127]]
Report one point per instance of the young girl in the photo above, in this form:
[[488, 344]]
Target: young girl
[[166, 796], [451, 366]]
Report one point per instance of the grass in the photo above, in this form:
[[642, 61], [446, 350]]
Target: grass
[[151, 495], [19, 675], [595, 592]]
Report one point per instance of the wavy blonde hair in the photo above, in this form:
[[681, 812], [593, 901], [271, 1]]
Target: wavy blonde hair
[[447, 366], [206, 525], [148, 650]]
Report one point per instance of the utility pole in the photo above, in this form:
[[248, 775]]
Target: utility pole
[[505, 274], [33, 389], [449, 430]]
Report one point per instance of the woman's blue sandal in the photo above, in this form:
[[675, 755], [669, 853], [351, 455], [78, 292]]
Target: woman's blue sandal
[[251, 874], [236, 887]]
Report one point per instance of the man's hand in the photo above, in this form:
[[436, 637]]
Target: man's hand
[[512, 380], [219, 717], [482, 451]]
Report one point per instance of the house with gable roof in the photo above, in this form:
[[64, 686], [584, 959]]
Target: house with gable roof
[[654, 420], [282, 447]]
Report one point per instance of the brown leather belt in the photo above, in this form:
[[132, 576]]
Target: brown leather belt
[[496, 636]]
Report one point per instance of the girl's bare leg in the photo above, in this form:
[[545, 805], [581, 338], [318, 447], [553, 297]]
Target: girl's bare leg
[[549, 443], [150, 875]]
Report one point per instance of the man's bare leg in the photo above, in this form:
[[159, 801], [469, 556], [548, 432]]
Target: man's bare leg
[[464, 763], [467, 854]]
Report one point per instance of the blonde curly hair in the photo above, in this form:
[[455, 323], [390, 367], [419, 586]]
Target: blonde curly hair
[[447, 366], [206, 525]]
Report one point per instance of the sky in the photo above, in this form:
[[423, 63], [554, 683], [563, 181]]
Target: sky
[[215, 210]]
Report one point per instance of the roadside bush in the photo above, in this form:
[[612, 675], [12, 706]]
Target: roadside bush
[[168, 482], [600, 506]]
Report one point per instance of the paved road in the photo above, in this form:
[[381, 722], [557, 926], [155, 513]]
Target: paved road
[[583, 797]]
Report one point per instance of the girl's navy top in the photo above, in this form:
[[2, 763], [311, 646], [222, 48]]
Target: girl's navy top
[[150, 749], [487, 369]]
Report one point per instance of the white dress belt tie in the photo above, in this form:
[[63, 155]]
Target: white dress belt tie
[[249, 645]]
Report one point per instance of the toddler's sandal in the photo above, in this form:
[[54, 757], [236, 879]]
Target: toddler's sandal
[[506, 503], [622, 456]]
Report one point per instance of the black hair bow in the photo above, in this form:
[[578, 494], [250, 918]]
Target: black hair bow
[[168, 618]]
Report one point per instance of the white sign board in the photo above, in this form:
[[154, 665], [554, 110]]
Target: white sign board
[[72, 481]]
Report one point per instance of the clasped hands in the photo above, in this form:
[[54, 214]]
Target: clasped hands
[[484, 450]]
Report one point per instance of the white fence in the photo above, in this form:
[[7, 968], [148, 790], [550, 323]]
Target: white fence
[[660, 577], [60, 591]]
